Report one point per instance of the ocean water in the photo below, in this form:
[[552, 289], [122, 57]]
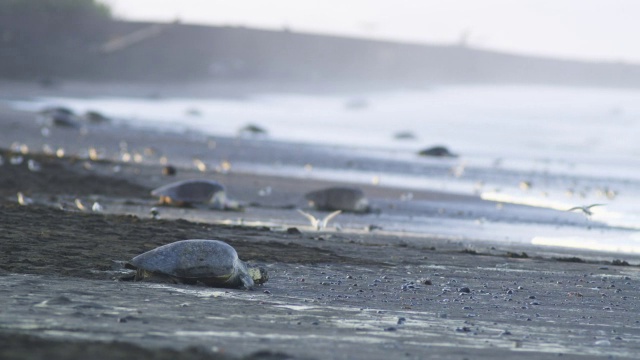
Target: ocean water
[[547, 147]]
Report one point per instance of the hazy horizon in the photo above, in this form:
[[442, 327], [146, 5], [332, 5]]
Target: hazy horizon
[[596, 30]]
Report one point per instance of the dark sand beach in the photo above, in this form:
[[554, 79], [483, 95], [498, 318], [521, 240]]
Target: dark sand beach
[[350, 294]]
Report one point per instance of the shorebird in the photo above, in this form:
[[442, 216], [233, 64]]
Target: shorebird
[[80, 205], [585, 209], [322, 223], [23, 200], [97, 207]]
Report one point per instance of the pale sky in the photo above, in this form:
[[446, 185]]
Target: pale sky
[[576, 29]]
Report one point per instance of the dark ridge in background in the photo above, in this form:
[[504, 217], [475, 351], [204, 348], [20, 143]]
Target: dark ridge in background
[[181, 52]]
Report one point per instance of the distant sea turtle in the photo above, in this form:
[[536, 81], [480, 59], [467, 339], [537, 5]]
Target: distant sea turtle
[[96, 118], [339, 198], [59, 116], [437, 151], [210, 262], [190, 192]]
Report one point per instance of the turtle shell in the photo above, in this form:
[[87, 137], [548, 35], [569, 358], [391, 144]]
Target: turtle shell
[[212, 262], [189, 191], [339, 198]]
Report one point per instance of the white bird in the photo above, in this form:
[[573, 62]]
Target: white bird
[[97, 207], [585, 209], [34, 165], [155, 214], [80, 205], [319, 224], [23, 200]]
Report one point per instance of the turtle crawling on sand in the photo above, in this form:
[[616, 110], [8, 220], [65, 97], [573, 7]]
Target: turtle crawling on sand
[[191, 192], [339, 198], [210, 262]]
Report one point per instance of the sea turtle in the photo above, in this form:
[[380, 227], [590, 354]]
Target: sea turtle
[[190, 192], [339, 198], [59, 117], [96, 118], [437, 151], [210, 262]]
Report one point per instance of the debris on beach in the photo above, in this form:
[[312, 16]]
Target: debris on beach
[[437, 151], [208, 262], [339, 198]]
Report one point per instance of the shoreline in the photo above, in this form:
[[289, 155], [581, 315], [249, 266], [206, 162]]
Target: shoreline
[[333, 294]]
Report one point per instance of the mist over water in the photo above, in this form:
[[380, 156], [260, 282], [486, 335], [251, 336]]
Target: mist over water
[[549, 147]]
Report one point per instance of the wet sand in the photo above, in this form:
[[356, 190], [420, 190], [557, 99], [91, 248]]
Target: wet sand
[[333, 294]]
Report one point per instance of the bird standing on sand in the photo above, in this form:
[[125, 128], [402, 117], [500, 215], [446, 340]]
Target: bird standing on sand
[[319, 224], [23, 200], [585, 209]]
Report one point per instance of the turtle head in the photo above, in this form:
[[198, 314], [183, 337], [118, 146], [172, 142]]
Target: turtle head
[[258, 274]]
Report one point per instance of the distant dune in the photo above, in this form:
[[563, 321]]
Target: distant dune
[[142, 51]]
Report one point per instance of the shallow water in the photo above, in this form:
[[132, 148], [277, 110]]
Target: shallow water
[[548, 147]]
